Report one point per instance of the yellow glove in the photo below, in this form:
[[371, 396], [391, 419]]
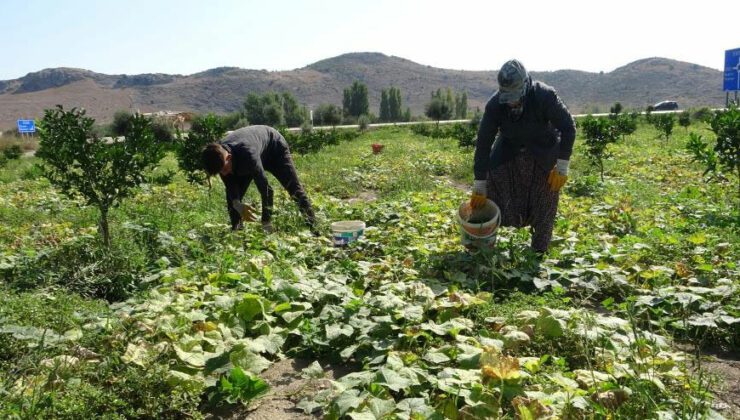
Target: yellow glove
[[245, 210], [478, 198], [558, 175]]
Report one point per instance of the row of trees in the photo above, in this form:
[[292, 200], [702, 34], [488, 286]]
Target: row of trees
[[445, 106], [283, 109]]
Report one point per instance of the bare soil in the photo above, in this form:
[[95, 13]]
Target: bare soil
[[727, 392], [287, 388]]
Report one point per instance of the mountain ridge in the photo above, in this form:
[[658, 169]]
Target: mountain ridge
[[223, 89]]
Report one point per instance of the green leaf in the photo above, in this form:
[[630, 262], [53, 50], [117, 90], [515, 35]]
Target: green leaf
[[550, 326], [313, 371], [250, 307], [436, 357], [335, 330], [347, 400]]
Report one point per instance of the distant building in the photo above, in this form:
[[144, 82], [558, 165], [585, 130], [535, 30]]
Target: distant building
[[176, 119]]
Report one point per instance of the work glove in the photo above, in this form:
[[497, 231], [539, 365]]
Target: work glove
[[246, 211], [478, 198], [267, 227], [558, 175]]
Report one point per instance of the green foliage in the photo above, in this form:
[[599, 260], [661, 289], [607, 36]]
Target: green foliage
[[703, 114], [385, 109], [162, 131], [83, 267], [649, 113], [684, 119], [12, 152], [701, 152], [428, 328], [664, 123], [625, 124], [266, 109], [461, 105], [79, 163], [616, 109], [310, 141], [438, 109], [204, 130], [327, 114], [395, 105], [726, 126], [363, 122], [465, 133], [120, 125], [355, 102], [295, 114], [599, 133], [239, 386]]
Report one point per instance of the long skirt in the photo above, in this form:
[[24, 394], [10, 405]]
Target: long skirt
[[520, 189]]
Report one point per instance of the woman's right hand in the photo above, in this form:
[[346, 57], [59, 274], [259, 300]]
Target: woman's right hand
[[478, 198], [246, 211]]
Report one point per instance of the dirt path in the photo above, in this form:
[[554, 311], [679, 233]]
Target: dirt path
[[727, 392], [287, 388]]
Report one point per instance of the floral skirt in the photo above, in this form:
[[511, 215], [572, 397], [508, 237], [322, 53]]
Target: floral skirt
[[520, 189]]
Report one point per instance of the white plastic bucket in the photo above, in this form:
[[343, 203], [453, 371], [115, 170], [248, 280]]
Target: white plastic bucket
[[346, 231], [478, 227]]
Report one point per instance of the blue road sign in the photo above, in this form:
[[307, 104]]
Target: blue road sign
[[732, 70], [26, 126]]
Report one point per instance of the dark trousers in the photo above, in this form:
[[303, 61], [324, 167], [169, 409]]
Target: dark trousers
[[284, 170]]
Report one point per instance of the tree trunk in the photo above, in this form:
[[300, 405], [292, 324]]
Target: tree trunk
[[103, 227]]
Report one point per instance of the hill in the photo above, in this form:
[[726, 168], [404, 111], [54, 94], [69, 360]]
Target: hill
[[223, 89]]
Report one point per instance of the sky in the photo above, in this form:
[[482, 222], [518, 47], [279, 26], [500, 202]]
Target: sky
[[189, 36]]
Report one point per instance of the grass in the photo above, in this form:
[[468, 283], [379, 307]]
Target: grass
[[408, 291]]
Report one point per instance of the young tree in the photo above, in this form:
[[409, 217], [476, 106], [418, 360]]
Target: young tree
[[294, 113], [385, 110], [407, 115], [625, 125], [80, 163], [438, 109], [616, 109], [599, 133], [355, 100], [725, 155], [121, 121], [328, 114], [394, 104], [664, 123], [684, 119], [266, 109]]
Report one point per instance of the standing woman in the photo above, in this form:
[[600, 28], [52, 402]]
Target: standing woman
[[532, 134]]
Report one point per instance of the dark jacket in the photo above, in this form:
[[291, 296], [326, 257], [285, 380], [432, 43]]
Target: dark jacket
[[254, 150], [545, 130]]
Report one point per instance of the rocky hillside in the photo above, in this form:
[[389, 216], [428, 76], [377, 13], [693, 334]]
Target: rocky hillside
[[223, 89]]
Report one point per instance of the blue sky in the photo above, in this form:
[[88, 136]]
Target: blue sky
[[188, 36]]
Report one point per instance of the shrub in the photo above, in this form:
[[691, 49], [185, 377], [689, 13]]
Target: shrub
[[363, 122], [684, 119], [120, 124], [327, 114], [13, 152], [438, 109]]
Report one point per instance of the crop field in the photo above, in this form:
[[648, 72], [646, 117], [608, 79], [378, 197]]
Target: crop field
[[634, 313]]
